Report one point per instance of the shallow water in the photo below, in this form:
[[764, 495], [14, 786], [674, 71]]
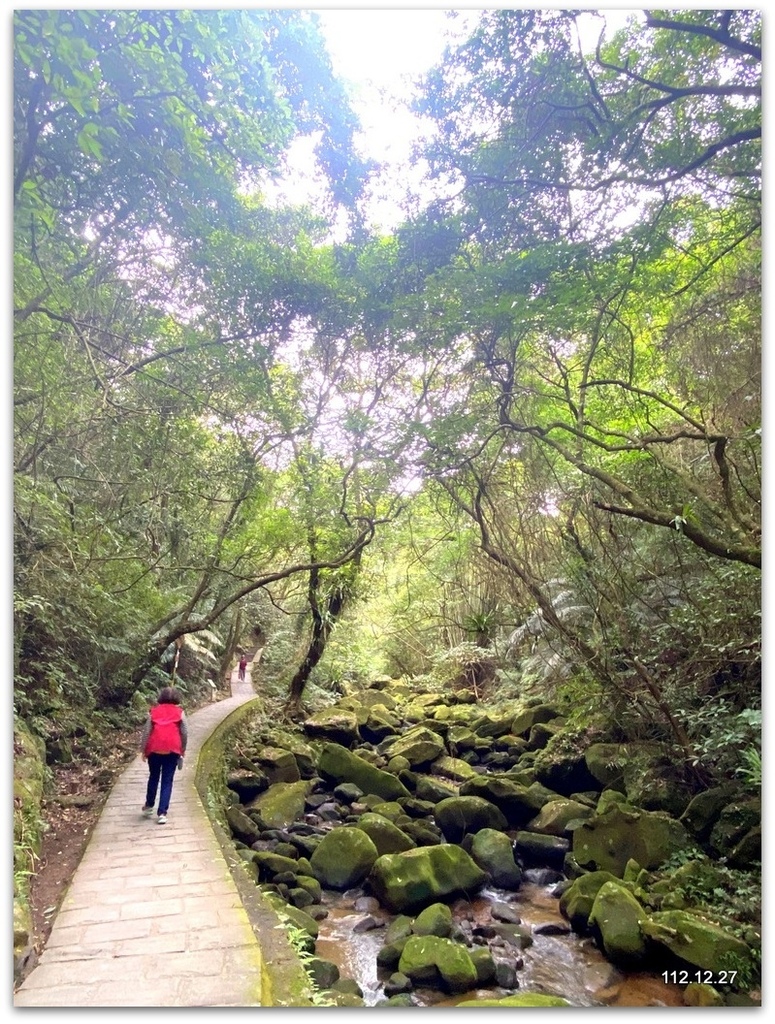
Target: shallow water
[[563, 965]]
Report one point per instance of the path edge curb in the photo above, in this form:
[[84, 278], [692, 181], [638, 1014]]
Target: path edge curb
[[284, 980]]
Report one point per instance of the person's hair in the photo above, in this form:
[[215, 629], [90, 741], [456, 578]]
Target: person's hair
[[170, 695]]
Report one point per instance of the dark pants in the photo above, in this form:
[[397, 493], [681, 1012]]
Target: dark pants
[[161, 766]]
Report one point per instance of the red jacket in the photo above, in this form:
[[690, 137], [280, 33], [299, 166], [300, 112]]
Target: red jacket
[[165, 735]]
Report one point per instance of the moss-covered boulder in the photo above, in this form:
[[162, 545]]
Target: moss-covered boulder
[[653, 780], [699, 994], [605, 762], [556, 816], [747, 852], [335, 724], [434, 920], [697, 941], [607, 841], [271, 864], [380, 724], [492, 851], [517, 802], [386, 836], [433, 790], [242, 828], [486, 967], [419, 746], [437, 962], [524, 721], [278, 765], [337, 764], [343, 858], [453, 768], [493, 724], [282, 803], [563, 771], [521, 999], [536, 850], [578, 899], [732, 824], [616, 917], [458, 815], [247, 784], [460, 739], [703, 810], [412, 880], [303, 752], [297, 917]]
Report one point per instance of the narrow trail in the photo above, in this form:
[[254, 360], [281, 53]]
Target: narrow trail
[[152, 916]]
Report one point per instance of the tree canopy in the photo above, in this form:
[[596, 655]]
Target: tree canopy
[[530, 414]]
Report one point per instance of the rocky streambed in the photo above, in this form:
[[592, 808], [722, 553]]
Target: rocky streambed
[[424, 850]]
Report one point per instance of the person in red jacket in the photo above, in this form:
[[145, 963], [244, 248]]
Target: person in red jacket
[[163, 744]]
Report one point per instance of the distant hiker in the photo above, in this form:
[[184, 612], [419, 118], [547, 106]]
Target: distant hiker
[[163, 743], [243, 664]]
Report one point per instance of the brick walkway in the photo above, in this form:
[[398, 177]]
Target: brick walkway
[[152, 916]]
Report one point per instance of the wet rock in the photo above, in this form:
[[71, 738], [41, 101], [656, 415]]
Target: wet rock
[[552, 928], [401, 999], [367, 924], [696, 994], [399, 928], [504, 912], [366, 905]]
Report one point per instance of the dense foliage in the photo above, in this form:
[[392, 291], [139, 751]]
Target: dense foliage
[[514, 444]]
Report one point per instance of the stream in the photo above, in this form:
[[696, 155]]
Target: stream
[[564, 964]]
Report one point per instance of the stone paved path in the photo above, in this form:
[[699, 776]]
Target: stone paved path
[[152, 916]]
